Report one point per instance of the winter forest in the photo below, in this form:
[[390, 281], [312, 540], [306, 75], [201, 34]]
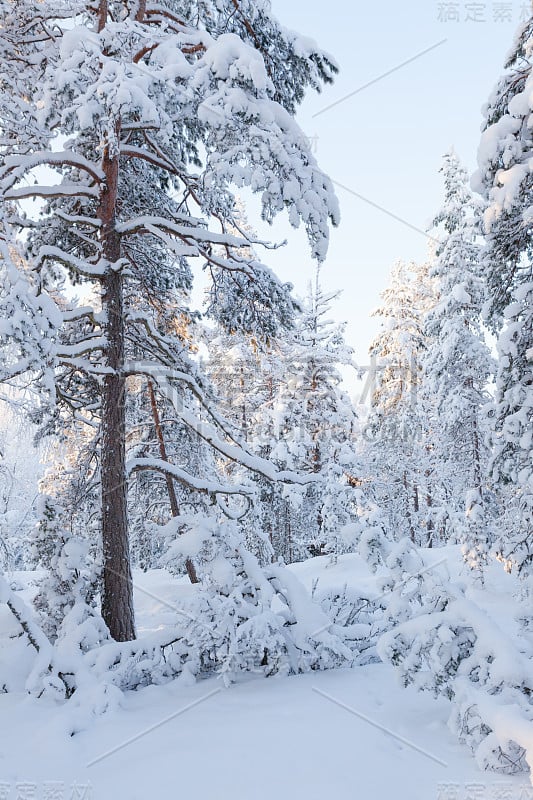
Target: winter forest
[[192, 500]]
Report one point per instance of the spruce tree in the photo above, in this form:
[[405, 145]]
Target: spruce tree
[[397, 448], [156, 112], [457, 364], [504, 179]]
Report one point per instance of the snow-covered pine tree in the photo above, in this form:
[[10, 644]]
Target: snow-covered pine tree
[[513, 434], [457, 365], [246, 373], [28, 318], [504, 179], [399, 462], [253, 619], [236, 367], [309, 425], [24, 39], [156, 111], [244, 348]]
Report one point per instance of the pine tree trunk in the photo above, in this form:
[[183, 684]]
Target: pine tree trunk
[[117, 593], [174, 507]]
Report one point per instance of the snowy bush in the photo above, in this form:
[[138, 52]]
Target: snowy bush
[[440, 640], [247, 618]]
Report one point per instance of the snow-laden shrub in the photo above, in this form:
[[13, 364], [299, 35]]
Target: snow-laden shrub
[[241, 619], [71, 576], [440, 640], [249, 618], [358, 612]]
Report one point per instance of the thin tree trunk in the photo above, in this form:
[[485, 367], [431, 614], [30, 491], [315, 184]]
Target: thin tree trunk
[[243, 407], [117, 594], [416, 500], [478, 481], [429, 504], [289, 533], [174, 507], [102, 15], [407, 509], [416, 509], [431, 527]]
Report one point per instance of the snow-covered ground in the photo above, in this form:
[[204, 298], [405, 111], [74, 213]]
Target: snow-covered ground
[[338, 734]]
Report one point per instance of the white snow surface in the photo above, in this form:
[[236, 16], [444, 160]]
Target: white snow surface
[[261, 738]]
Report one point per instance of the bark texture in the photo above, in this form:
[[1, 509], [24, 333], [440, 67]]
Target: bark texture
[[117, 593]]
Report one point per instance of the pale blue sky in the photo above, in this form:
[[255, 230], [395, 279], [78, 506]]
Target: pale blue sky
[[386, 142]]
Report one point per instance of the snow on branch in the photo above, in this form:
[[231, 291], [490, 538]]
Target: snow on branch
[[71, 262], [146, 222], [62, 190], [237, 452], [16, 167], [88, 345], [129, 151], [180, 475], [78, 220]]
